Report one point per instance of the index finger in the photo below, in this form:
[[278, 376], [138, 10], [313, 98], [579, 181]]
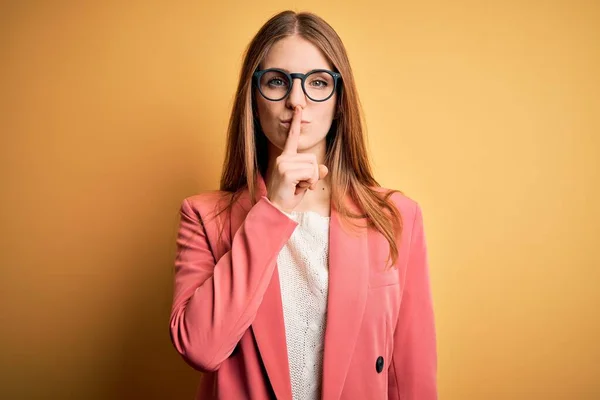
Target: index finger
[[291, 143]]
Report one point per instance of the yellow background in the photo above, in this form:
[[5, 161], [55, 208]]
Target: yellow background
[[487, 113]]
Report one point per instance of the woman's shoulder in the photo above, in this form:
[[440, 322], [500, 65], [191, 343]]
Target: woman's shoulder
[[205, 196], [409, 208], [205, 200], [404, 202]]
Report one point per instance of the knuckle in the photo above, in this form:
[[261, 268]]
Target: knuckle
[[281, 168]]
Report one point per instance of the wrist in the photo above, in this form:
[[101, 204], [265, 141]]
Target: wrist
[[280, 208]]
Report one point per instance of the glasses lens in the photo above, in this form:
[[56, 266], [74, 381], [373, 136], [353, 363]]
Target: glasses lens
[[319, 85], [274, 85]]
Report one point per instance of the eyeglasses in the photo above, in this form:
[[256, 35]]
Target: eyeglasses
[[275, 84]]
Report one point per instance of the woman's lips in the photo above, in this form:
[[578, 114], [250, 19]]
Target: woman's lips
[[287, 123]]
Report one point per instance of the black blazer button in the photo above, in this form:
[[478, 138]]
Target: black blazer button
[[379, 364]]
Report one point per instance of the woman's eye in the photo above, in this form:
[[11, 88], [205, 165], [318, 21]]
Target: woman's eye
[[277, 82], [319, 83]]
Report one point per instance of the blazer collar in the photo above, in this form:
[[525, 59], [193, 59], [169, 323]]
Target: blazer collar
[[347, 294]]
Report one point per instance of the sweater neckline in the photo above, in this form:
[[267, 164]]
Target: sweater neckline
[[302, 213]]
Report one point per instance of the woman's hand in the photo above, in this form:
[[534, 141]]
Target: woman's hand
[[294, 173]]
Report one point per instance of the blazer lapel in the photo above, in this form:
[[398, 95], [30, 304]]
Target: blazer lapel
[[269, 331], [348, 285]]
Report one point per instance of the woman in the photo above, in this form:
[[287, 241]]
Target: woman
[[283, 282]]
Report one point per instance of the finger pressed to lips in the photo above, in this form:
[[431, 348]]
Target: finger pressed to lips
[[291, 143], [287, 123]]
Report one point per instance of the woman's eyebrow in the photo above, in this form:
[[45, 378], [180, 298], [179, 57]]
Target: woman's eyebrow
[[288, 71], [276, 67]]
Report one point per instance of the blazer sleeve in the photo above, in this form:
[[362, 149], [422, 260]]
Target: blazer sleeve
[[413, 369], [214, 303]]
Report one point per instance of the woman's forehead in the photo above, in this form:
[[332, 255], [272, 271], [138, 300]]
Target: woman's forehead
[[295, 54]]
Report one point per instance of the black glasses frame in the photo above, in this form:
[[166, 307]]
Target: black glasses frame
[[294, 75]]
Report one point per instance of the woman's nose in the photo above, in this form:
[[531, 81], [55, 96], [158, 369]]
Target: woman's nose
[[296, 96]]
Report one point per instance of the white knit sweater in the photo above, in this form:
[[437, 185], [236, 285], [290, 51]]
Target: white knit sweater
[[303, 275]]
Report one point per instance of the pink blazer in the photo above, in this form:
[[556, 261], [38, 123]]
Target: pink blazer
[[227, 317]]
